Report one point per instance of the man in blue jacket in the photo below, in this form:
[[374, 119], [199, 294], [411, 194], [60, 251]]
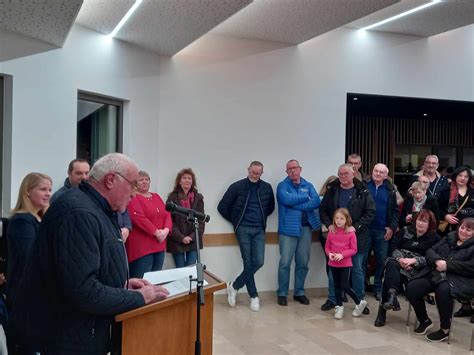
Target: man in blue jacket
[[246, 204], [297, 218]]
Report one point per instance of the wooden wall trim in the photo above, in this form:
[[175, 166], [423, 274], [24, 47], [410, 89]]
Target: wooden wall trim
[[226, 239]]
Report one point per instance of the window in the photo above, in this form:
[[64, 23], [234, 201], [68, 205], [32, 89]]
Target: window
[[99, 126]]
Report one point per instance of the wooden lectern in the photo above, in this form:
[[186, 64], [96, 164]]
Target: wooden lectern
[[169, 326]]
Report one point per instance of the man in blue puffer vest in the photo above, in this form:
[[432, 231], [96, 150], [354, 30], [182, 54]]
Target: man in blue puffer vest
[[297, 218], [246, 204]]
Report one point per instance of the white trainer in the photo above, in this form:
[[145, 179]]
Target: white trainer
[[231, 294], [359, 308], [254, 304], [339, 312]]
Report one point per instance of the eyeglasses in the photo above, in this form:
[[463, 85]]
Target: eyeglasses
[[133, 184]]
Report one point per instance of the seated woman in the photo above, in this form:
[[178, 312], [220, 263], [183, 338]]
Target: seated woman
[[151, 223], [31, 205], [407, 259], [449, 273], [416, 200], [182, 241]]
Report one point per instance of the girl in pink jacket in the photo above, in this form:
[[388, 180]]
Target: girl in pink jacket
[[341, 245]]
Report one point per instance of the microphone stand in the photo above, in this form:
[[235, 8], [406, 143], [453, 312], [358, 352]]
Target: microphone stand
[[200, 284]]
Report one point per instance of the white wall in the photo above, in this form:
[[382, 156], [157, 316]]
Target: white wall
[[223, 102]]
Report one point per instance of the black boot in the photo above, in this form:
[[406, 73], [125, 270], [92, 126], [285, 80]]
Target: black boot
[[392, 301], [381, 317]]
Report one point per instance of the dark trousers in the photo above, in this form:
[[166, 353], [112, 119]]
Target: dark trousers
[[419, 288], [392, 278], [341, 283]]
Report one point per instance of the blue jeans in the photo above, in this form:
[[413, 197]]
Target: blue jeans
[[300, 249], [358, 275], [252, 248], [147, 263], [380, 245], [185, 259]]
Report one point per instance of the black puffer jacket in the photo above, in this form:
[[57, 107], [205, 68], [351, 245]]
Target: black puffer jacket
[[234, 202], [459, 261], [361, 208], [74, 281]]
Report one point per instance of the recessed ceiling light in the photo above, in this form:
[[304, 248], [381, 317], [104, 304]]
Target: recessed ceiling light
[[425, 114], [390, 19], [355, 99], [125, 18]]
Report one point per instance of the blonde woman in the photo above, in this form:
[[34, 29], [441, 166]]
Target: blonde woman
[[31, 205]]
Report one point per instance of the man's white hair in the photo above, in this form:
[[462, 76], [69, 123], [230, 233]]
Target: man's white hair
[[113, 162]]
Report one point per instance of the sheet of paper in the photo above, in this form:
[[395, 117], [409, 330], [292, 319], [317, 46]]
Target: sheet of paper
[[160, 277], [180, 286]]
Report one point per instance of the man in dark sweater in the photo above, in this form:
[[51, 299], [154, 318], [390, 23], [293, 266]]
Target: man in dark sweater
[[246, 204]]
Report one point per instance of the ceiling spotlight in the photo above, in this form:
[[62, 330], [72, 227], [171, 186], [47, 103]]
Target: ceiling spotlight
[[355, 99], [125, 18], [396, 17], [425, 114]]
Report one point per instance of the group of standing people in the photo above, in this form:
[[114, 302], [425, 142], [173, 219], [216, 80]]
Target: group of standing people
[[362, 214], [58, 300]]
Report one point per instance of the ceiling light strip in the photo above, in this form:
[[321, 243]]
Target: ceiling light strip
[[125, 18], [406, 13]]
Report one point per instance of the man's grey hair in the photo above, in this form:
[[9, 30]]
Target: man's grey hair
[[432, 156], [346, 165], [113, 162]]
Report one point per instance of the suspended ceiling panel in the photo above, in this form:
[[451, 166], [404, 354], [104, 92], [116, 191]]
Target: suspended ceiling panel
[[441, 17], [296, 21], [161, 26], [46, 20]]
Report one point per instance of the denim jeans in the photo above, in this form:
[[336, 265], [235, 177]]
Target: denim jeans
[[300, 249], [185, 259], [252, 248], [358, 275], [150, 262], [380, 245]]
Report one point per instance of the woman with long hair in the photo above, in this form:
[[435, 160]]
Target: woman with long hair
[[182, 241], [31, 205]]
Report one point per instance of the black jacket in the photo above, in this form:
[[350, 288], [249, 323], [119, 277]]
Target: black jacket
[[361, 209], [182, 228], [21, 234], [459, 261], [431, 204], [234, 202], [74, 280], [406, 244], [467, 210]]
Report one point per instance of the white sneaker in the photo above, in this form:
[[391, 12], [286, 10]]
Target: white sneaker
[[359, 308], [339, 312], [254, 304], [231, 294]]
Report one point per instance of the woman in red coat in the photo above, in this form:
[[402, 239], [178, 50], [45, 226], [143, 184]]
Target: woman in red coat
[[146, 244]]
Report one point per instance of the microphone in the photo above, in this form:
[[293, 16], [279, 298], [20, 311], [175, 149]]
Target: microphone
[[187, 212]]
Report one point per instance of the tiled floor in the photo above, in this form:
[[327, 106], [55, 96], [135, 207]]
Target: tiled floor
[[299, 329]]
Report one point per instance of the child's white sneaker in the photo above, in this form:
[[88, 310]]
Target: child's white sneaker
[[359, 308], [339, 312], [254, 304]]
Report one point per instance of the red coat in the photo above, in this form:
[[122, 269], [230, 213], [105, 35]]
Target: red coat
[[147, 214]]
